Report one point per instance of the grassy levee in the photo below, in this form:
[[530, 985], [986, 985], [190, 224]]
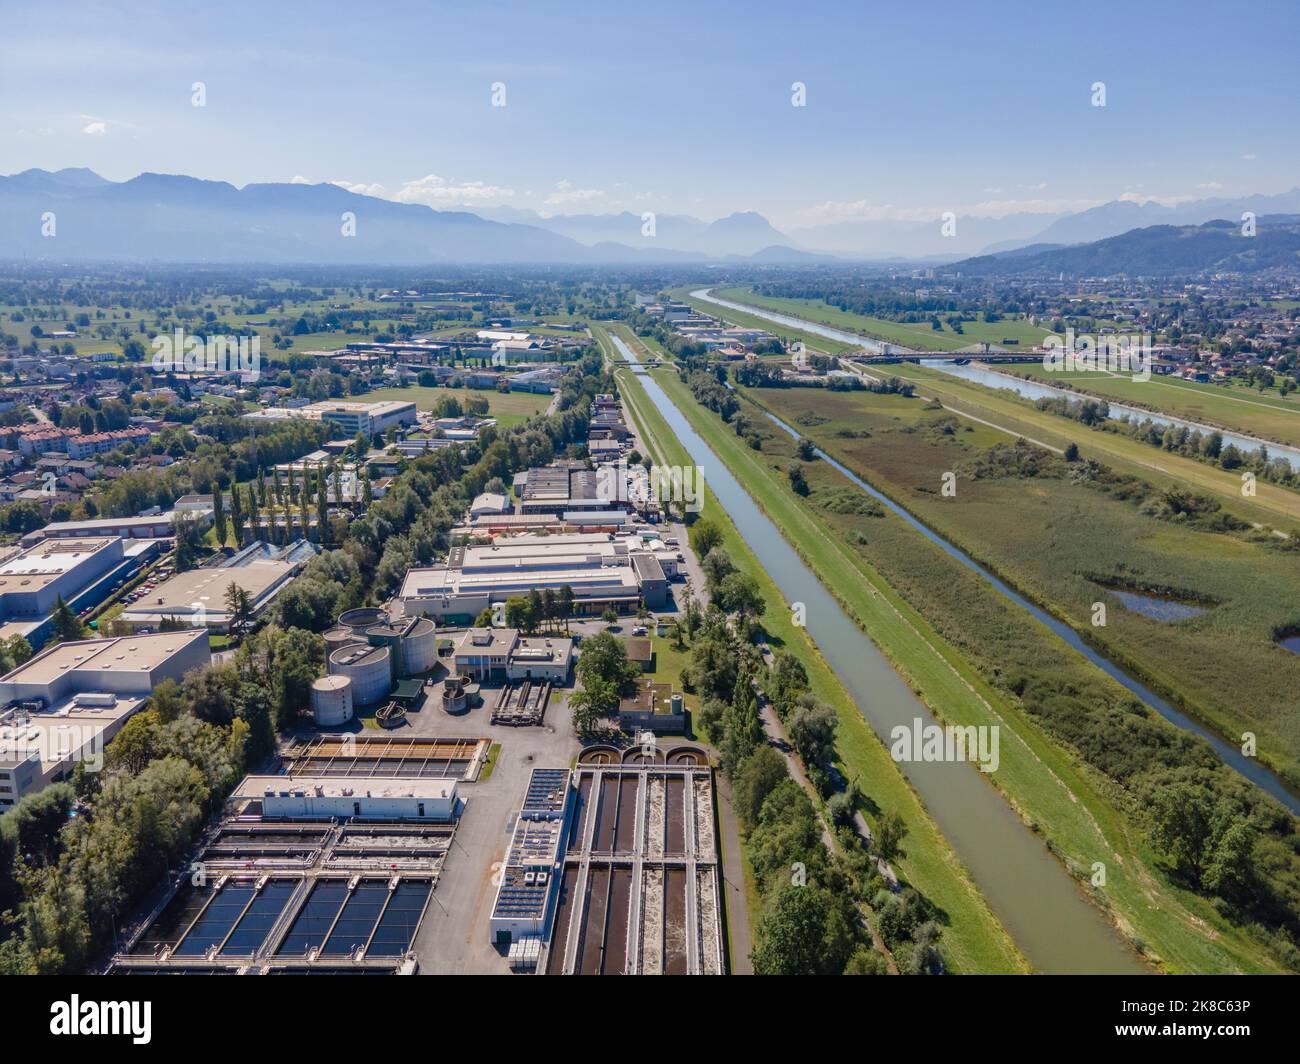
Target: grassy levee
[[753, 321], [920, 335], [1064, 544], [1053, 790], [974, 939], [1232, 407], [1271, 505]]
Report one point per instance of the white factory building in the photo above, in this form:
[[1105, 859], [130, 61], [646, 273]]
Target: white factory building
[[329, 797], [603, 571], [66, 703], [351, 416], [497, 654]]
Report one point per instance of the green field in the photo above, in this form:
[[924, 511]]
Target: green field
[[1272, 505], [1063, 797], [1232, 407], [509, 408], [1062, 542], [974, 940], [919, 335]]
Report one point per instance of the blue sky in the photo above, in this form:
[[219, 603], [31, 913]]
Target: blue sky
[[911, 109]]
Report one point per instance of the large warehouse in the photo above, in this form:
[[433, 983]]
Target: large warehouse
[[65, 704], [198, 597], [602, 571]]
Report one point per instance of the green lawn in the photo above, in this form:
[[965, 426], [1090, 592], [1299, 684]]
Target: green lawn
[[509, 408]]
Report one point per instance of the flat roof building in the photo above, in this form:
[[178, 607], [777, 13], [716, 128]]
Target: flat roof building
[[497, 654], [602, 571], [328, 797], [32, 581], [66, 704], [198, 597]]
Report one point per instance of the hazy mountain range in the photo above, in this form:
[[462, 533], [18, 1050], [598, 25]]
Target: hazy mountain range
[[174, 218], [1156, 251]]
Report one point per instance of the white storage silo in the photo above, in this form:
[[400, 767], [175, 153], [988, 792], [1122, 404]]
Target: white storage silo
[[331, 700], [419, 647], [369, 669]]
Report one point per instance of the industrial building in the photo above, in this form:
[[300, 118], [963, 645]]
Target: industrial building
[[654, 707], [495, 655], [559, 489], [372, 798], [525, 898], [312, 876], [198, 597], [602, 571], [66, 703], [375, 653], [153, 526], [351, 417], [82, 572]]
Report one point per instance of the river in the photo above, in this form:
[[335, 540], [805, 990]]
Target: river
[[993, 379], [1038, 902], [1249, 767]]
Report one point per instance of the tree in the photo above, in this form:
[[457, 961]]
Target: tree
[[189, 542], [604, 658], [219, 513], [755, 780], [240, 607], [866, 961], [704, 535], [889, 834], [791, 936], [811, 726], [67, 624], [596, 699], [798, 482]]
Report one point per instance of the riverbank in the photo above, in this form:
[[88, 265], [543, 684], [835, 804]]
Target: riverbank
[[1063, 798], [974, 939]]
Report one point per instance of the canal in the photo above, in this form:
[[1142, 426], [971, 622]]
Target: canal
[[1054, 925]]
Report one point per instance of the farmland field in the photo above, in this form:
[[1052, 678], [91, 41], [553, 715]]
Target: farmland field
[[1063, 542]]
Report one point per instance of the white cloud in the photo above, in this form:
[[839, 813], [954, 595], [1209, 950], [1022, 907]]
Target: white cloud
[[298, 179], [95, 129], [435, 191], [1210, 186], [1250, 156], [1164, 201], [565, 192], [361, 188]]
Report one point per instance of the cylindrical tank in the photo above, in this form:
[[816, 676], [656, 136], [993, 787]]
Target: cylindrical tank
[[331, 700], [419, 647], [338, 637], [369, 669], [362, 618]]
